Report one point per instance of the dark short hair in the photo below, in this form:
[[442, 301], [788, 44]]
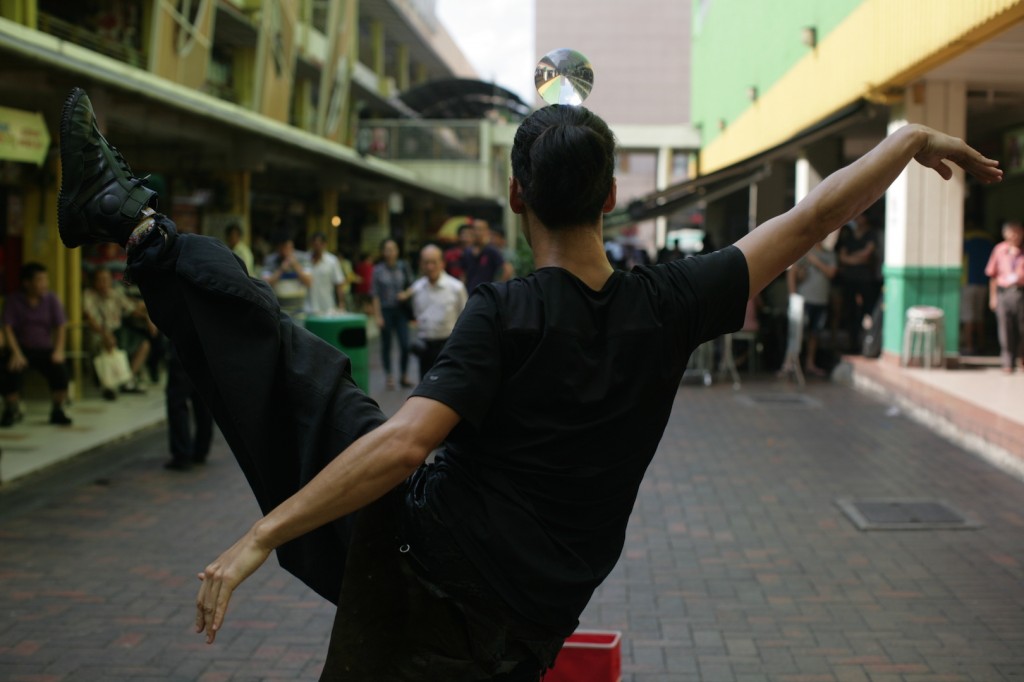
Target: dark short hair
[[564, 159], [464, 227], [318, 235], [30, 270], [233, 227]]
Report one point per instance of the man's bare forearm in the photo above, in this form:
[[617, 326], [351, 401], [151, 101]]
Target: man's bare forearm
[[364, 472]]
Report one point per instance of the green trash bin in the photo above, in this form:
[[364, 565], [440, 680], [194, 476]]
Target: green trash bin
[[347, 332]]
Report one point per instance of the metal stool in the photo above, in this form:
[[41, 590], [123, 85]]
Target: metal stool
[[924, 335]]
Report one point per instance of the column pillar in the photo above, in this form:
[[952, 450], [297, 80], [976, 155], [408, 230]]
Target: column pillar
[[924, 220], [768, 196], [373, 235], [402, 70], [322, 222], [239, 189], [379, 56], [662, 179], [815, 163]]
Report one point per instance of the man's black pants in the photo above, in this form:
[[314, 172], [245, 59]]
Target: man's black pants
[[187, 444]]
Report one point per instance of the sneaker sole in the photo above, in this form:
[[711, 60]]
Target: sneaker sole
[[64, 216]]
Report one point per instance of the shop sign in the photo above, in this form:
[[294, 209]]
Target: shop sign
[[23, 136]]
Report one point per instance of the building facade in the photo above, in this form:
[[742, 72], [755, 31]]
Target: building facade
[[245, 111], [785, 93], [641, 60]]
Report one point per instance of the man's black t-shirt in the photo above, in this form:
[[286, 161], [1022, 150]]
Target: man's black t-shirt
[[564, 393]]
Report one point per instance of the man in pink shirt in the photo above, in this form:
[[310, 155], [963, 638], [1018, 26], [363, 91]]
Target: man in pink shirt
[[1006, 291]]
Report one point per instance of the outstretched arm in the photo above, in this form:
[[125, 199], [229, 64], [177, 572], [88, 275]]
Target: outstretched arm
[[778, 243], [364, 472]]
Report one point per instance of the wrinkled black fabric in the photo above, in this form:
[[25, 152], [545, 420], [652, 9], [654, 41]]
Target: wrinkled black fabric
[[395, 624], [283, 398]]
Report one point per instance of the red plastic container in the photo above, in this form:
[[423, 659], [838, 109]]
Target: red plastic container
[[589, 656]]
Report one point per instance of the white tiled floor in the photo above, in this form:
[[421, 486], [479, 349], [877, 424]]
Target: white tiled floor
[[33, 443], [988, 387]]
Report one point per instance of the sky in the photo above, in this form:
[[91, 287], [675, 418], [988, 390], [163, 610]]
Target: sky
[[497, 38]]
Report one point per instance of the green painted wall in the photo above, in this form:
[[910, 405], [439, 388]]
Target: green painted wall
[[742, 43], [920, 285]]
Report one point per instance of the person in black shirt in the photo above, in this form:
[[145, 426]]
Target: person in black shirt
[[477, 565], [858, 251]]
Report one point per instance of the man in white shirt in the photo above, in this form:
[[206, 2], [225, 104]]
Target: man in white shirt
[[325, 293], [437, 300]]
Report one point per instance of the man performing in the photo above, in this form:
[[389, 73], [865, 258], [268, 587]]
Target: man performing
[[548, 400]]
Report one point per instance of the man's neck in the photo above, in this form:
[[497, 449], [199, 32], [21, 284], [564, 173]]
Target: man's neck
[[579, 250]]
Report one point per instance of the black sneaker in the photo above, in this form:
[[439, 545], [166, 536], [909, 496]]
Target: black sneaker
[[58, 417], [100, 200], [109, 394]]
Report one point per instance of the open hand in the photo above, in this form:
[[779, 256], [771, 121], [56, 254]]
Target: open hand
[[940, 148], [220, 579]]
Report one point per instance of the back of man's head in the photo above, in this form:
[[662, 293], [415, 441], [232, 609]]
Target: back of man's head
[[564, 160]]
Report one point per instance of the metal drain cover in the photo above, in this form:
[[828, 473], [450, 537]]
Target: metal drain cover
[[905, 514]]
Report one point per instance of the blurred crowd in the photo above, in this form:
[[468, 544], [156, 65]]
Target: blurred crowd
[[415, 300]]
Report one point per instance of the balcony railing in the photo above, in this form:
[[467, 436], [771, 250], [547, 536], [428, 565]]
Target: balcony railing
[[121, 48], [405, 140]]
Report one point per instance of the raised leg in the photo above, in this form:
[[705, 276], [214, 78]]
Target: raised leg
[[284, 399]]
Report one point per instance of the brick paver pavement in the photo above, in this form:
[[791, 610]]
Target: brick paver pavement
[[738, 565]]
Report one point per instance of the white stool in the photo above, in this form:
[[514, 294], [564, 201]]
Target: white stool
[[924, 335]]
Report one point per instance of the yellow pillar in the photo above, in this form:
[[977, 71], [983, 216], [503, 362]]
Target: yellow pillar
[[373, 235], [322, 222], [75, 343], [421, 73], [350, 48], [402, 71], [377, 36], [243, 67], [239, 186], [24, 12], [41, 244], [329, 209]]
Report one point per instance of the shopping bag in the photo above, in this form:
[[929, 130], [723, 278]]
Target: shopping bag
[[112, 368]]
